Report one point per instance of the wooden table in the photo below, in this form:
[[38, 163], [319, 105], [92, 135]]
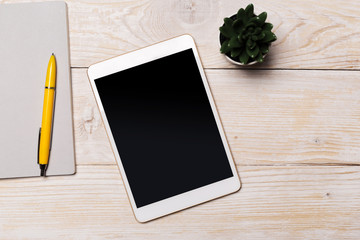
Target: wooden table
[[292, 124]]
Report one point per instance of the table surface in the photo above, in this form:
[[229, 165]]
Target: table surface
[[292, 124]]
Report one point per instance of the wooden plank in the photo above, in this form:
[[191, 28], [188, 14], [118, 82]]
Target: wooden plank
[[282, 117], [270, 117], [313, 34], [91, 143], [285, 202]]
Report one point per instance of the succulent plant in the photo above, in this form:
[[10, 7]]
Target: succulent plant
[[245, 37]]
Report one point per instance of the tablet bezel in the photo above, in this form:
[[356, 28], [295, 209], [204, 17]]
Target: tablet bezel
[[187, 199]]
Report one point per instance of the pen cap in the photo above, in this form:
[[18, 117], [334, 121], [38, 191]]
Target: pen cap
[[51, 73]]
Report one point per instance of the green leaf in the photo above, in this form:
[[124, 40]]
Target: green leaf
[[249, 10], [240, 13], [242, 16], [253, 52], [241, 34], [227, 31], [253, 19], [254, 38], [228, 22], [261, 36], [240, 39], [234, 42], [225, 47], [238, 25], [264, 48], [252, 45], [235, 52], [244, 57], [250, 25], [262, 17], [269, 37], [267, 26], [249, 42], [257, 30], [259, 20], [259, 58]]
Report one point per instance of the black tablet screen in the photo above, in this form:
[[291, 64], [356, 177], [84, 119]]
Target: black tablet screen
[[164, 128]]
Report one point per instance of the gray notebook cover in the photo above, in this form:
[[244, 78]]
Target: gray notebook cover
[[29, 34]]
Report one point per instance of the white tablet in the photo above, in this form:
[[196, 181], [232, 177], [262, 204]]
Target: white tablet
[[163, 127]]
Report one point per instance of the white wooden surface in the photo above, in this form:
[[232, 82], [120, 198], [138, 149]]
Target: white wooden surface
[[293, 129], [277, 202], [311, 34]]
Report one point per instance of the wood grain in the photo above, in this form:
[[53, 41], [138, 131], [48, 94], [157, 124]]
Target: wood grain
[[311, 35], [275, 202], [269, 116], [294, 134], [91, 143]]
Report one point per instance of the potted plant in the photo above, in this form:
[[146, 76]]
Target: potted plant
[[245, 37]]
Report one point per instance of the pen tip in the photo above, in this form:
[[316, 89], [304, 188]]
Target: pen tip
[[42, 170]]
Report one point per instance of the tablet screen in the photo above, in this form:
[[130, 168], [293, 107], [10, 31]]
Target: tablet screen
[[164, 128]]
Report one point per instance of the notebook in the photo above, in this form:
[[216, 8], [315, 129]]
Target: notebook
[[29, 34]]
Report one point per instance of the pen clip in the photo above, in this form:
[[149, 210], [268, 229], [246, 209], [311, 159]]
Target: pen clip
[[38, 146]]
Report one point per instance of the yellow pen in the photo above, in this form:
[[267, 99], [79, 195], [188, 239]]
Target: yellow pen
[[47, 117]]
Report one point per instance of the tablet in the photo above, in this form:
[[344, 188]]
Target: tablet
[[163, 127]]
